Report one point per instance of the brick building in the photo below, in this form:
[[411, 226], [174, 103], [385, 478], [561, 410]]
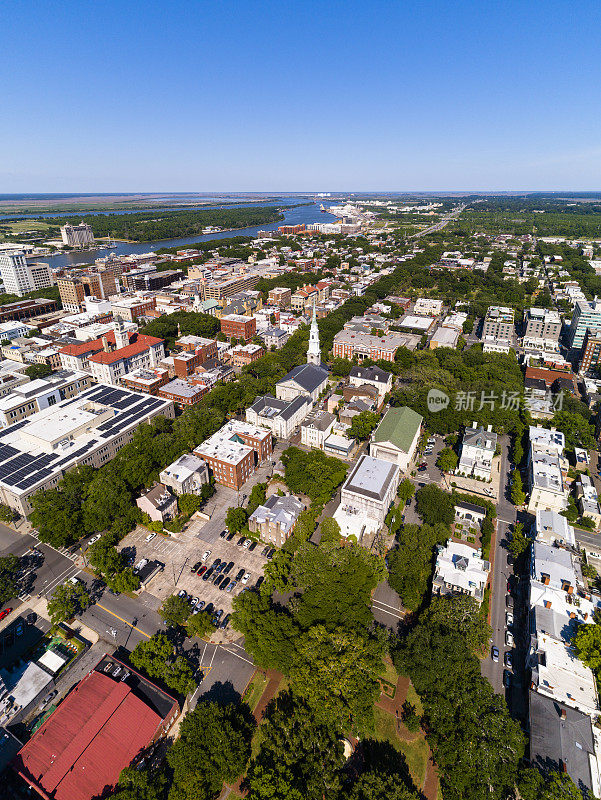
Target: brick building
[[280, 296], [241, 327], [182, 393], [235, 451]]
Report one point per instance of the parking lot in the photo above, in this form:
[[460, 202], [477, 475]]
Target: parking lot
[[181, 552]]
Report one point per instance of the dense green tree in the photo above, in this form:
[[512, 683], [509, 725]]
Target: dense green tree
[[330, 530], [460, 614], [35, 371], [235, 519], [518, 496], [213, 746], [335, 672], [341, 367], [67, 601], [175, 610], [363, 425], [200, 625], [270, 633], [156, 657], [405, 491], [7, 514], [551, 785], [257, 498], [313, 474], [9, 574], [299, 758], [141, 784], [434, 505], [447, 459], [519, 542], [410, 564], [381, 786], [587, 642], [57, 513], [577, 430]]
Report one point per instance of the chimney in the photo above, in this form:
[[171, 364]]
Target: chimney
[[105, 344]]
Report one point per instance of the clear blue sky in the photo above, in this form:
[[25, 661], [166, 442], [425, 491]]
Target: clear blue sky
[[275, 96]]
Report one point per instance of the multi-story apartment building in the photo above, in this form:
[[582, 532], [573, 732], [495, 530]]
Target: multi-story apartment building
[[220, 290], [366, 496], [477, 452], [182, 393], [235, 451], [77, 235], [206, 349], [348, 344], [187, 475], [460, 569], [19, 277], [148, 381], [304, 299], [246, 353], [275, 337], [281, 417], [275, 520], [130, 308], [238, 326], [280, 296], [542, 323], [148, 281], [29, 398], [73, 295], [547, 470], [586, 316], [89, 430], [591, 352], [499, 323], [316, 428]]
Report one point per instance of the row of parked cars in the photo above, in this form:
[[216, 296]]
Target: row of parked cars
[[509, 640], [217, 618], [248, 544], [219, 573]]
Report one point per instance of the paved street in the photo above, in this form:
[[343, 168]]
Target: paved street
[[506, 516]]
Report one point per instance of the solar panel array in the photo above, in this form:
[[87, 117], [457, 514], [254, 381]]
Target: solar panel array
[[23, 470]]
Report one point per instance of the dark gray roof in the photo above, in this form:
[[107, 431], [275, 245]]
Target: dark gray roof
[[371, 477], [470, 507], [370, 374], [560, 735], [308, 376], [284, 408]]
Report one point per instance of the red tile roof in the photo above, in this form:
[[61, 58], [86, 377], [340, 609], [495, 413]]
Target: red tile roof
[[96, 346], [95, 732], [118, 355]]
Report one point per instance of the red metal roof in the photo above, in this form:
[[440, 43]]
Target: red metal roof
[[97, 345], [95, 732], [118, 355]]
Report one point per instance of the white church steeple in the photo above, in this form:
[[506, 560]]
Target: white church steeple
[[314, 351]]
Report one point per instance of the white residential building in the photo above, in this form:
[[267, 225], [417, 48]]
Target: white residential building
[[460, 570], [477, 452], [187, 475], [371, 376], [426, 305], [547, 469], [281, 417], [316, 428]]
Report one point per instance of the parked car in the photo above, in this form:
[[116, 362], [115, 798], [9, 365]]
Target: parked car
[[194, 602], [224, 583], [48, 698], [223, 534], [246, 578], [509, 659], [509, 641], [509, 601], [240, 574], [508, 618], [207, 574], [5, 613], [225, 622], [94, 539], [209, 609], [228, 569], [260, 580], [247, 543], [422, 468], [201, 571], [494, 654], [200, 605], [265, 550], [506, 678], [125, 675], [150, 537], [230, 537], [205, 555], [271, 553], [252, 547], [230, 586], [182, 593], [241, 541], [196, 567], [218, 578]]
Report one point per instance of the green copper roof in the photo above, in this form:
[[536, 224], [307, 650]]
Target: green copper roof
[[398, 426]]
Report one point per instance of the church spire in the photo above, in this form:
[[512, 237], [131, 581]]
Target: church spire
[[314, 351]]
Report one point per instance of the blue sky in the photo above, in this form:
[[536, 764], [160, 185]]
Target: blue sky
[[299, 96]]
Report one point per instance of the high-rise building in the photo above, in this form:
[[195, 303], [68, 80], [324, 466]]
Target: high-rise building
[[314, 351], [542, 323], [77, 235], [586, 316], [19, 277], [498, 323]]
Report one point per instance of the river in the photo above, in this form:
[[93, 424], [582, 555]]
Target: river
[[293, 216]]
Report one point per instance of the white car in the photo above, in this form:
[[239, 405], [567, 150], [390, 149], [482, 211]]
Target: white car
[[247, 543], [94, 539], [509, 618], [205, 555], [150, 537], [509, 639], [246, 577]]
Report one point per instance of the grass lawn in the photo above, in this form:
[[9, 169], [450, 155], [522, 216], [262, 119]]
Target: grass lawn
[[416, 751], [255, 689], [389, 673], [414, 699]]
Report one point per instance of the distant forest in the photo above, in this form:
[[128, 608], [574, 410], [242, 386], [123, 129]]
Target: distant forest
[[151, 225]]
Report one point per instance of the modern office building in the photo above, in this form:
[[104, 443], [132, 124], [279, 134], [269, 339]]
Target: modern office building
[[19, 277], [89, 429], [586, 316], [591, 351], [77, 235], [29, 398]]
